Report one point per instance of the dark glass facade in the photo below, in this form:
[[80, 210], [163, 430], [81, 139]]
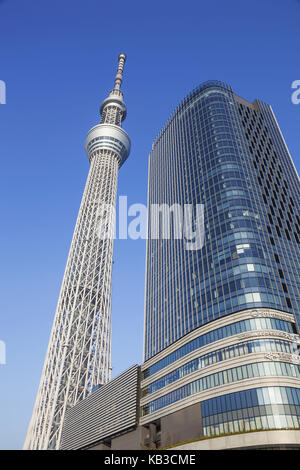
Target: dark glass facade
[[260, 408], [229, 155]]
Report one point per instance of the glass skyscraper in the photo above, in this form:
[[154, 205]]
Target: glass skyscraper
[[222, 321]]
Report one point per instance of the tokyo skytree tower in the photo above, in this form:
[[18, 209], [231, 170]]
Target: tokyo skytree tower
[[79, 350]]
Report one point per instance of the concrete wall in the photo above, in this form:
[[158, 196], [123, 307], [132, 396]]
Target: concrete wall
[[181, 426], [134, 440], [99, 447]]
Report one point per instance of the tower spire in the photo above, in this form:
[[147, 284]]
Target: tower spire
[[113, 108], [119, 74]]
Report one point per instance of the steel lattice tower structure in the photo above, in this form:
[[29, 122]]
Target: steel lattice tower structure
[[79, 350]]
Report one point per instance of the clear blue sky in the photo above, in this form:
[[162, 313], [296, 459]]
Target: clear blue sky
[[58, 59]]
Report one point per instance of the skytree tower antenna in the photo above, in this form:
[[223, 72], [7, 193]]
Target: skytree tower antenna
[[79, 350]]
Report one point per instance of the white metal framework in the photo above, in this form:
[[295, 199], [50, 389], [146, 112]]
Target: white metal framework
[[79, 350]]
